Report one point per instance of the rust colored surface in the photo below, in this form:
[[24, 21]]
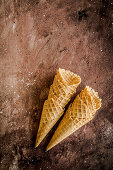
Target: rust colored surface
[[36, 38]]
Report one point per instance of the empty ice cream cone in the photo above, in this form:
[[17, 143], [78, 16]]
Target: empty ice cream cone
[[80, 112], [62, 89]]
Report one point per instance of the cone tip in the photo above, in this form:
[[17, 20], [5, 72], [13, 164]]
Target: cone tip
[[51, 145], [48, 148], [36, 145]]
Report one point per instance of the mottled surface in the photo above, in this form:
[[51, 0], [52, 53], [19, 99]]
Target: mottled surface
[[36, 38]]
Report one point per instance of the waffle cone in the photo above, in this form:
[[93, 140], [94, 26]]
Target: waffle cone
[[50, 115], [80, 112], [62, 89], [64, 86]]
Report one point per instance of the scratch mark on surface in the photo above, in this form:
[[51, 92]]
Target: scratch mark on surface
[[42, 47]]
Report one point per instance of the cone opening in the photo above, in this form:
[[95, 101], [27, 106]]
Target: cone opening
[[69, 77], [95, 96]]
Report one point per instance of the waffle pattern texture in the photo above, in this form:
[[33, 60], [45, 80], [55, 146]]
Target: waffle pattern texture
[[61, 91], [80, 112]]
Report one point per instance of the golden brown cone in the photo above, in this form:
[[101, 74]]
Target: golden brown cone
[[80, 112], [62, 89], [50, 115]]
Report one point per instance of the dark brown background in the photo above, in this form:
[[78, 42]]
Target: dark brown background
[[36, 38]]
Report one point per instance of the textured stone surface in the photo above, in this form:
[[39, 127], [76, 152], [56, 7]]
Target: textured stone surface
[[36, 38]]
